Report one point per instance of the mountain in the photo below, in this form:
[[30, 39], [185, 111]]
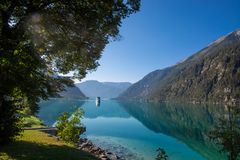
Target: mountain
[[72, 92], [210, 75], [94, 88]]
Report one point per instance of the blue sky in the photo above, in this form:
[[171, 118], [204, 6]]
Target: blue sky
[[163, 33]]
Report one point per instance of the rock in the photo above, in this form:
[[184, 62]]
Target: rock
[[83, 145], [102, 151], [82, 140], [112, 157], [86, 145], [85, 149], [94, 149], [90, 148], [109, 153], [102, 156]]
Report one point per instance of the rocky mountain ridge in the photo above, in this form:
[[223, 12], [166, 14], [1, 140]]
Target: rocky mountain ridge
[[211, 75]]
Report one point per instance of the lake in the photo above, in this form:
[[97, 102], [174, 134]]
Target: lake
[[136, 130]]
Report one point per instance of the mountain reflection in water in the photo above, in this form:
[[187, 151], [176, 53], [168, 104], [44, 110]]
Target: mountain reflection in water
[[140, 128], [188, 123]]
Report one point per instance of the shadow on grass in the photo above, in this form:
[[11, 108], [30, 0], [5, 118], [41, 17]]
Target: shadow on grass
[[28, 151]]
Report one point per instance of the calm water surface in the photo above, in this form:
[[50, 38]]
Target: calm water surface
[[136, 130]]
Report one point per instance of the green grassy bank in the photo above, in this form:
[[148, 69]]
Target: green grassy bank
[[36, 145]]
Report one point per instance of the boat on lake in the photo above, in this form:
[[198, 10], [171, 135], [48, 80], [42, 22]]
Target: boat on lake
[[98, 101]]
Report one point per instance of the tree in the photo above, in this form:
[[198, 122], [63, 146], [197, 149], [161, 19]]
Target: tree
[[69, 127], [40, 39], [227, 132], [161, 154]]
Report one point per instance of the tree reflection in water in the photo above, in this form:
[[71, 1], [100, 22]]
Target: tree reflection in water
[[227, 132]]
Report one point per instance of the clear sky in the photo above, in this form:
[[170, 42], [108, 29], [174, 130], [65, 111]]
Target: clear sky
[[163, 33]]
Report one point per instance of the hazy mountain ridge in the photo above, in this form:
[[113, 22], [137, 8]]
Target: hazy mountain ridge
[[72, 92], [210, 75], [94, 88]]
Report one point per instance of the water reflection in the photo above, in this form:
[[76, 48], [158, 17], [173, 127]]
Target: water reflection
[[188, 123], [143, 127], [227, 132], [50, 110]]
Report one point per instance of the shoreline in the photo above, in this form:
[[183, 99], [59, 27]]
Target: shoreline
[[86, 145]]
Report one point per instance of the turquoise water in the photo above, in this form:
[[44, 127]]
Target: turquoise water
[[136, 130]]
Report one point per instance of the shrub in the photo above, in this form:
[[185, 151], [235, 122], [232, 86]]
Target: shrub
[[69, 127]]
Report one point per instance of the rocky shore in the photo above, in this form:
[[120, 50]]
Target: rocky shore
[[86, 145]]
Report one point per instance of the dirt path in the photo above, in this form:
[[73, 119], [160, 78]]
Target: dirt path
[[41, 129]]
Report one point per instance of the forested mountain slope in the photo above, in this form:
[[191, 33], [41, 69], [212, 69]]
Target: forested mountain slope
[[210, 75]]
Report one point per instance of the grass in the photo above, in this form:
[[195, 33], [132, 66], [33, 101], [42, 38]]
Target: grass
[[32, 121], [37, 145]]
